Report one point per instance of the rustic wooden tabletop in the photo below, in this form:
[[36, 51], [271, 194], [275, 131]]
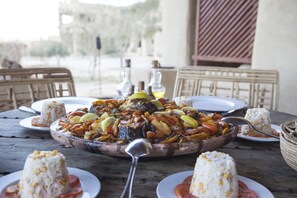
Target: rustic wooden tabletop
[[259, 161]]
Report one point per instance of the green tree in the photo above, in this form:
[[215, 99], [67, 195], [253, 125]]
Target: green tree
[[117, 26], [58, 50], [38, 51]]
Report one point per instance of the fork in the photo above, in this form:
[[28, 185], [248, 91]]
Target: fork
[[249, 123]]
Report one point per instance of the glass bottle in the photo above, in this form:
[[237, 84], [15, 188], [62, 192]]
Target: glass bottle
[[156, 76], [125, 75]]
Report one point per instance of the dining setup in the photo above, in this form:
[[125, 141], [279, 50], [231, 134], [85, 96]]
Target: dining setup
[[148, 99], [193, 145]]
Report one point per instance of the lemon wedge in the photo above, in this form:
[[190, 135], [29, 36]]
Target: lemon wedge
[[139, 95], [178, 112], [158, 104], [107, 122], [88, 117], [189, 120]]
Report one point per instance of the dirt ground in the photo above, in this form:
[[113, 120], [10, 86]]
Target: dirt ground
[[82, 70]]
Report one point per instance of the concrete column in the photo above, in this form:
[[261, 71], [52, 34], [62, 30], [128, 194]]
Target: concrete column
[[275, 47], [178, 29]]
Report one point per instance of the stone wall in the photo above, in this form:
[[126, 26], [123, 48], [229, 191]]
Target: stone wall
[[275, 47], [178, 25]]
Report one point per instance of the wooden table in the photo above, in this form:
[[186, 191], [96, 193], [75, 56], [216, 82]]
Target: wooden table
[[258, 161]]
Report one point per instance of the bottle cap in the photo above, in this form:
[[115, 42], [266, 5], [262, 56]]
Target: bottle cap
[[128, 62], [155, 64], [140, 85], [131, 90]]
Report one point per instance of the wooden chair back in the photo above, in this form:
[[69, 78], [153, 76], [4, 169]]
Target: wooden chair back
[[25, 86], [257, 88]]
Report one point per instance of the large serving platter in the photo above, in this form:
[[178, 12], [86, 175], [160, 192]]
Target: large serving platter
[[159, 150]]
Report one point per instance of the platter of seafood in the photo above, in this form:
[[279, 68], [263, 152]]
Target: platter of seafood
[[172, 128]]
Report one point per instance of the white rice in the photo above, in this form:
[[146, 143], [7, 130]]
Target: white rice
[[52, 111], [45, 175], [214, 176], [258, 117]]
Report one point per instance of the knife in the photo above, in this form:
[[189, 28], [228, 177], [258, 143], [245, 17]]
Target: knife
[[28, 109]]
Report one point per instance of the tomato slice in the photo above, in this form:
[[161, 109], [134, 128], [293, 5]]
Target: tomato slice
[[188, 180], [181, 190], [189, 196], [10, 192], [73, 193], [212, 127], [73, 180], [248, 193], [150, 134], [109, 129], [162, 100], [9, 195], [242, 185], [12, 189]]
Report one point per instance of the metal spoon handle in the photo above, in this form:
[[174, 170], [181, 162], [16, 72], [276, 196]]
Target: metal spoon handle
[[129, 178], [249, 123], [132, 176]]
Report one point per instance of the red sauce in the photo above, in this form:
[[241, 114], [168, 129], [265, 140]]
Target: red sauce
[[259, 135], [12, 191], [253, 134], [182, 190], [36, 121]]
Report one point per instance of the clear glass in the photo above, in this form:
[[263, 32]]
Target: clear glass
[[157, 88], [124, 87]]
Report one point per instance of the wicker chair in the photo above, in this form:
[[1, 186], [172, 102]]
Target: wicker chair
[[25, 86], [257, 88]]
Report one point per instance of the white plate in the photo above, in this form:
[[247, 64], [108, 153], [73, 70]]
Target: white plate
[[27, 123], [216, 103], [71, 103], [166, 187], [90, 184], [259, 139]]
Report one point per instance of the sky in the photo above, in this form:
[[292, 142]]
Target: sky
[[28, 19], [22, 20]]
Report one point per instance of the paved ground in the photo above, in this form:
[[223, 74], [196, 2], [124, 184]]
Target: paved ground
[[81, 70]]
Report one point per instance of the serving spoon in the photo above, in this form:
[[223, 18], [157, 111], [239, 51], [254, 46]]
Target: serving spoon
[[136, 149], [240, 120]]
